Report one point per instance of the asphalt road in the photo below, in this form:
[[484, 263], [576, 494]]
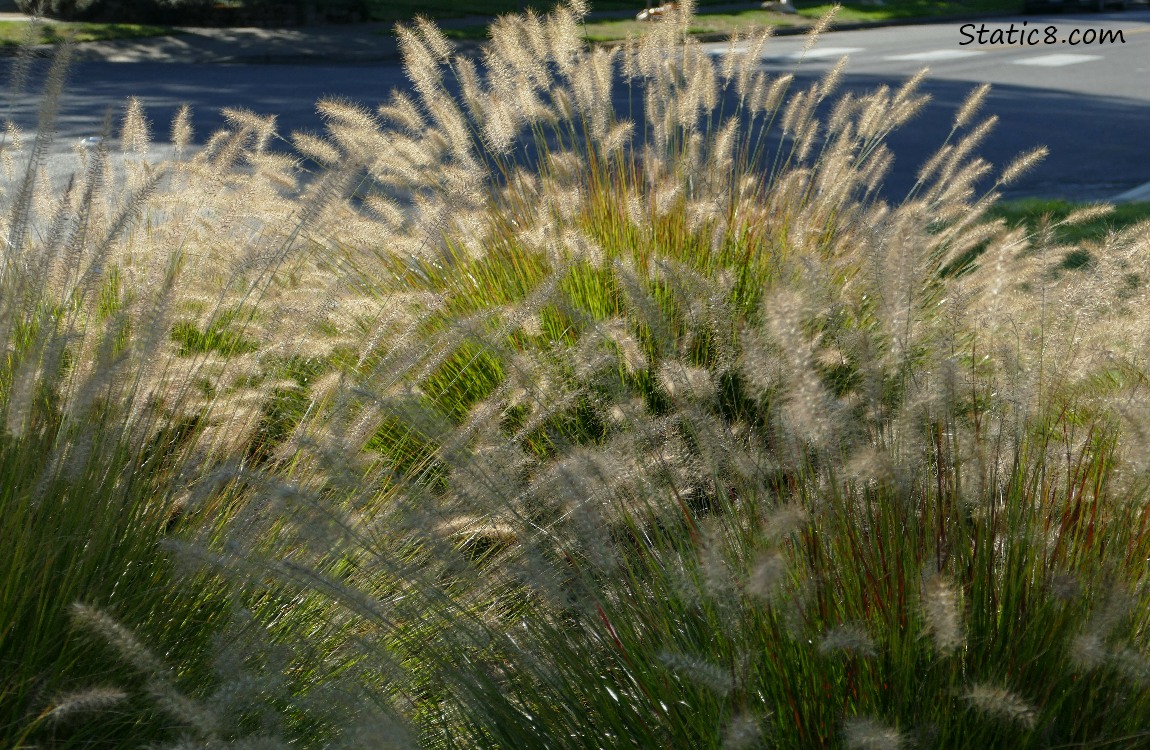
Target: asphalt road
[[1089, 103]]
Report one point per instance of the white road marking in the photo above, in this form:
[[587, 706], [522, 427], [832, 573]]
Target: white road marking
[[718, 49], [823, 52], [1055, 61], [935, 55], [1140, 193], [817, 53]]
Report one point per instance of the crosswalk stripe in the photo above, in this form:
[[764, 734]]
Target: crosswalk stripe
[[813, 54], [824, 52], [936, 55], [1054, 61]]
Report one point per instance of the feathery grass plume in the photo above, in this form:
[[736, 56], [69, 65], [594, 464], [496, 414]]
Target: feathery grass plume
[[830, 81], [714, 677], [402, 111], [749, 60], [1088, 650], [906, 93], [25, 53], [340, 111], [716, 577], [768, 575], [847, 639], [782, 522], [126, 643], [809, 407], [841, 114], [181, 132], [89, 700], [742, 732], [245, 121], [535, 34], [21, 212], [940, 610], [1133, 665], [471, 85], [516, 54], [316, 148], [501, 124], [591, 85], [971, 105], [183, 708], [10, 143], [872, 120], [1022, 164], [419, 61], [21, 396], [135, 132], [723, 146], [772, 95], [1000, 703], [957, 156], [823, 23], [736, 49], [562, 30], [798, 112], [863, 733], [434, 38], [449, 117], [1087, 214], [618, 137]]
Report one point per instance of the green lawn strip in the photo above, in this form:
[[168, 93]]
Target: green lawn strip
[[1041, 215], [1032, 212], [15, 33]]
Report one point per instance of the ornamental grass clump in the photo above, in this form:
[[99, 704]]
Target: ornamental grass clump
[[637, 417], [137, 302], [675, 432]]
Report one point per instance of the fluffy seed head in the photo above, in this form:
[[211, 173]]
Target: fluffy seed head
[[1022, 164], [847, 639], [136, 133], [1088, 214], [824, 23], [434, 38], [742, 732], [701, 671], [862, 733], [1000, 703], [119, 637], [85, 701], [182, 129], [940, 610], [316, 148], [970, 107]]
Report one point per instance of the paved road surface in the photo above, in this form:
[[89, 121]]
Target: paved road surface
[[1090, 103]]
